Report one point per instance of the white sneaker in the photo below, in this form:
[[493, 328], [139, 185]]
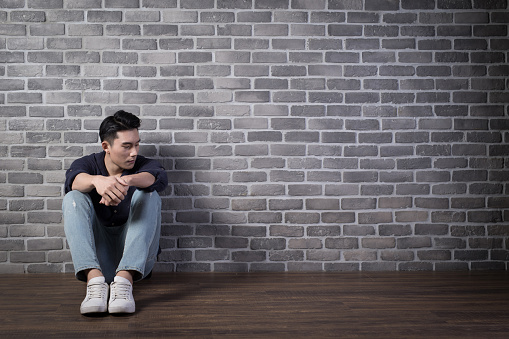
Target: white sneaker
[[121, 296], [96, 300]]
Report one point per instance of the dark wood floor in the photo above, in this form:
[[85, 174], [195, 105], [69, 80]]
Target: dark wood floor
[[272, 305]]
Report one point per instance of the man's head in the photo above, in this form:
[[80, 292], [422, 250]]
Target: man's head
[[120, 121], [120, 140]]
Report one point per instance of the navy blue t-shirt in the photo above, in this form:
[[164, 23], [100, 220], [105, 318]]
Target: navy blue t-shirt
[[93, 164]]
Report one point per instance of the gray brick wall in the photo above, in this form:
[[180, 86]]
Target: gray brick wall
[[298, 135]]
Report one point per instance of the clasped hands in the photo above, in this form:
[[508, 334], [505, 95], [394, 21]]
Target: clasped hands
[[112, 189]]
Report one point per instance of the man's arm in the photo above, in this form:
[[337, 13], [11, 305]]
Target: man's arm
[[83, 183], [112, 189], [139, 180], [154, 175]]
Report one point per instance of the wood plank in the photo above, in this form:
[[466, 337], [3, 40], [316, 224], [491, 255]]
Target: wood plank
[[268, 305]]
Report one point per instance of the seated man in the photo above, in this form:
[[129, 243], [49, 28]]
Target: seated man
[[112, 216]]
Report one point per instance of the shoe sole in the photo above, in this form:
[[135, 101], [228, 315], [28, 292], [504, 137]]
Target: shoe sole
[[117, 310], [93, 309]]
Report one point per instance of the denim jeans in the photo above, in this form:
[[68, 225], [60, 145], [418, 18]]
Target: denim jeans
[[132, 246]]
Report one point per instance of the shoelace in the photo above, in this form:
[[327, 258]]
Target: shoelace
[[96, 291], [120, 291]]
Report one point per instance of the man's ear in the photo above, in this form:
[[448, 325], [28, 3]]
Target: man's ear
[[106, 146]]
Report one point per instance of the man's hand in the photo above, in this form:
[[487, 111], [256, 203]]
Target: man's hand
[[112, 189]]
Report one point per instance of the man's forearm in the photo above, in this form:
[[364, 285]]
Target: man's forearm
[[83, 183], [140, 180]]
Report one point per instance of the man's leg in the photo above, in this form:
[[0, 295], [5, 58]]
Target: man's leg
[[141, 235], [80, 222], [93, 246], [140, 240]]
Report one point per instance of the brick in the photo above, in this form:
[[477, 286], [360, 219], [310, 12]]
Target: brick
[[302, 218], [85, 30], [25, 124], [305, 266], [211, 255], [411, 216], [234, 4], [395, 230], [342, 243], [64, 71], [45, 84], [306, 243], [470, 255], [194, 242], [341, 267], [337, 217], [25, 178], [268, 244], [369, 44], [44, 268], [377, 189], [44, 244], [12, 57], [104, 16], [358, 230], [415, 242], [286, 231], [28, 151], [485, 243], [249, 256], [65, 15], [12, 269], [421, 266], [249, 177], [383, 5], [431, 229], [360, 255], [344, 30], [266, 267], [318, 97], [27, 257], [375, 217], [27, 16], [264, 217], [249, 231], [13, 29], [322, 231], [320, 255], [397, 255], [305, 163], [12, 164], [59, 256], [24, 98], [378, 243], [231, 242]]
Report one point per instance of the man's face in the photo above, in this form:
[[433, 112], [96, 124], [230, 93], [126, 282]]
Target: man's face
[[124, 149]]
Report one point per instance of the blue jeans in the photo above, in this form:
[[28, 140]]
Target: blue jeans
[[130, 247]]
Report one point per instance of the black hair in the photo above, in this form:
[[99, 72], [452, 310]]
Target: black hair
[[120, 121]]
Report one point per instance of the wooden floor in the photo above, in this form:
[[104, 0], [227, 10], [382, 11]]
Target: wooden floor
[[272, 305]]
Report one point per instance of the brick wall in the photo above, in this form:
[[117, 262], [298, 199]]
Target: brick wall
[[298, 135]]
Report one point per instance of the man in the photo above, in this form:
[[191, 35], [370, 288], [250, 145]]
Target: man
[[112, 216]]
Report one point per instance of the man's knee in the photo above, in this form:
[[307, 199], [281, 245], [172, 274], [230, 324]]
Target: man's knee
[[74, 200], [150, 198]]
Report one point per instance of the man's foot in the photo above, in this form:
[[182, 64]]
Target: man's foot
[[121, 296], [96, 300]]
